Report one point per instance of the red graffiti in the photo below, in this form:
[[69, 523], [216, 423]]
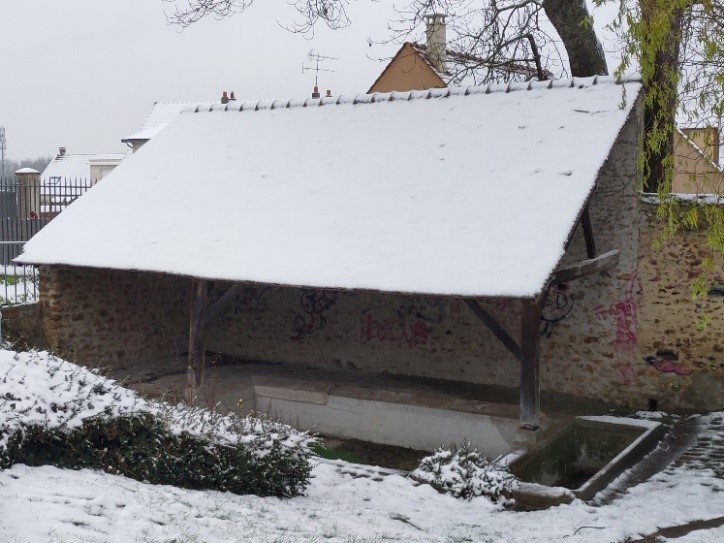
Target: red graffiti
[[398, 329], [625, 314]]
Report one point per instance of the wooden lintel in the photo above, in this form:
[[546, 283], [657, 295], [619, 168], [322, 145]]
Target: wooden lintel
[[495, 327], [529, 415], [586, 267], [588, 234], [196, 362], [220, 305]]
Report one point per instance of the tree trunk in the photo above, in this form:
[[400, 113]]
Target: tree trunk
[[575, 27], [660, 89]]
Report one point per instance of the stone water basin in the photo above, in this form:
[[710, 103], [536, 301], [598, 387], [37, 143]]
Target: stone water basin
[[582, 459]]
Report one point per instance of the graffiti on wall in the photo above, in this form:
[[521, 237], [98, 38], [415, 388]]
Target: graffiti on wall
[[314, 304], [251, 300], [624, 313], [558, 304], [667, 362], [409, 324]]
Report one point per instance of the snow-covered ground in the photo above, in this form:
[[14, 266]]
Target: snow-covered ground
[[343, 504]]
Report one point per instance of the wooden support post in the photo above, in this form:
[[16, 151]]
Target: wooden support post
[[588, 234], [195, 370], [529, 368]]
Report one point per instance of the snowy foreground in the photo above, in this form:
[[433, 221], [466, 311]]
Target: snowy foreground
[[343, 504]]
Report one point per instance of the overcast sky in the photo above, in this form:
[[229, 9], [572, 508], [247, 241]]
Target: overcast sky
[[85, 73]]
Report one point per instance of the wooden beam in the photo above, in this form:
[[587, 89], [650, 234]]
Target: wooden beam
[[220, 305], [495, 327], [529, 369], [586, 267], [196, 362], [588, 234]]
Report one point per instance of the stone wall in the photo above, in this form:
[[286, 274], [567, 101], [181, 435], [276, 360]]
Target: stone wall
[[22, 326], [113, 318], [683, 360]]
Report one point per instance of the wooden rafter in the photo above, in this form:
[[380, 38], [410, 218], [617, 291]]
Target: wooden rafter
[[221, 305], [496, 328], [600, 263]]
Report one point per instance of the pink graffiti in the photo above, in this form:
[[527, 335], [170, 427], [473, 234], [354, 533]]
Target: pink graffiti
[[397, 329], [668, 362], [624, 314]]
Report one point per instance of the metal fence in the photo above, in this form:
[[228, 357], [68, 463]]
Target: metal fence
[[25, 209]]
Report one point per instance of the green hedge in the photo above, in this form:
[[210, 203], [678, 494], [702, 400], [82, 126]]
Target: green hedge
[[143, 448]]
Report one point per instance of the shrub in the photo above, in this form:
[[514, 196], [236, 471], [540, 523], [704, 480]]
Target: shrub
[[464, 473], [54, 412], [143, 448]]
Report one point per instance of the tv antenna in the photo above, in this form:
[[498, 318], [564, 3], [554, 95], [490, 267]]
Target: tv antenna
[[315, 58]]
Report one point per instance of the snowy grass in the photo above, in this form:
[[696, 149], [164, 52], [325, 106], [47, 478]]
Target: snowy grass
[[54, 412], [343, 503]]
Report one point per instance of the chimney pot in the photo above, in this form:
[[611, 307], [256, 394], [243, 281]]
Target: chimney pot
[[436, 40], [224, 98], [61, 151], [329, 93], [315, 92], [232, 98]]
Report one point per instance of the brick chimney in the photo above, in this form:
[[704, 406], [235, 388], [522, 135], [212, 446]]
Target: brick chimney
[[61, 151], [315, 92], [224, 97], [436, 40], [329, 93], [232, 98]]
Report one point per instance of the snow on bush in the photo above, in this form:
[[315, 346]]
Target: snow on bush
[[52, 411], [37, 388], [464, 473]]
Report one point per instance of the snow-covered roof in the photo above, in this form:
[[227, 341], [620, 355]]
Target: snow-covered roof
[[76, 166], [163, 113], [160, 115], [464, 192]]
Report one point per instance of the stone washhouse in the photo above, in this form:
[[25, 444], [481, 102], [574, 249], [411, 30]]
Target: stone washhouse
[[492, 238]]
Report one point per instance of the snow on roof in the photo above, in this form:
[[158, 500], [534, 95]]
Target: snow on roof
[[71, 167], [471, 192], [162, 114]]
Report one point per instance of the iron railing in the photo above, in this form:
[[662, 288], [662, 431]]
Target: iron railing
[[25, 209]]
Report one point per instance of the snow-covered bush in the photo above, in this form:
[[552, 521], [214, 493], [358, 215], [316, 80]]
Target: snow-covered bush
[[464, 473], [54, 412]]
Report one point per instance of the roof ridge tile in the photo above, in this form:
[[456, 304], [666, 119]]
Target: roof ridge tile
[[444, 92]]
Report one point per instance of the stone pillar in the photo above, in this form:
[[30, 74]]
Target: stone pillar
[[28, 195]]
